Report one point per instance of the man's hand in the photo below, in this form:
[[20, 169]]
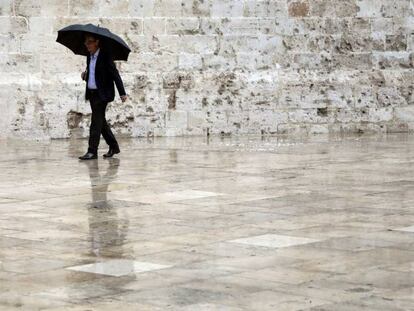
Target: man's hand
[[83, 75], [124, 98]]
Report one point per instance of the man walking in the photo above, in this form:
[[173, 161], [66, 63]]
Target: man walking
[[100, 75]]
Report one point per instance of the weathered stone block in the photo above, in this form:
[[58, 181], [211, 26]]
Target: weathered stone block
[[19, 63], [196, 8], [396, 42], [299, 8], [339, 8], [154, 26], [196, 44], [390, 96], [183, 26], [377, 115], [265, 8], [9, 44], [388, 60], [83, 8], [123, 26], [141, 8], [6, 7], [151, 62], [13, 25], [176, 119], [383, 8], [218, 62], [307, 116], [187, 61], [170, 8], [27, 8], [113, 8], [197, 121], [227, 8]]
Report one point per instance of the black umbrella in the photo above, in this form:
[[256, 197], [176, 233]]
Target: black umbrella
[[73, 38]]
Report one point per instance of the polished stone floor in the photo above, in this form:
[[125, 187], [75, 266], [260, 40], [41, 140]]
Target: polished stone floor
[[209, 224]]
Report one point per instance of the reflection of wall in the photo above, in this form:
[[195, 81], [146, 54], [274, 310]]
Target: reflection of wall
[[216, 66]]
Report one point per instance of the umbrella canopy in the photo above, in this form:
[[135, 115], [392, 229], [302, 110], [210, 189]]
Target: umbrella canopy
[[73, 38]]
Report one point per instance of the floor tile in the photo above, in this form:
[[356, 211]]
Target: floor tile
[[118, 267], [274, 240], [406, 229]]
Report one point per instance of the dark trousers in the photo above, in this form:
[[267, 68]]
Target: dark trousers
[[99, 125]]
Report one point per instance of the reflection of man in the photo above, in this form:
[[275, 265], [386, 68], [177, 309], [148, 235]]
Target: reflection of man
[[106, 230], [100, 75], [100, 184]]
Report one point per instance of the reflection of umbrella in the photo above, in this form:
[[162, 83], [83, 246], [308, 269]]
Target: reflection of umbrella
[[73, 38]]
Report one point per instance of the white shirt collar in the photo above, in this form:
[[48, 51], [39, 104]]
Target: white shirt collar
[[96, 53]]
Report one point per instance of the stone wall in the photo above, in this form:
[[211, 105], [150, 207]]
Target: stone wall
[[214, 66]]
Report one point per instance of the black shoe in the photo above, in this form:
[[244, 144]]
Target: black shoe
[[89, 156], [111, 152]]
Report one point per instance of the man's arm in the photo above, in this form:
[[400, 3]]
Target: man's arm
[[117, 78]]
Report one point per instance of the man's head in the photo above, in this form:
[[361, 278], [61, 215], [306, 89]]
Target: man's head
[[92, 43]]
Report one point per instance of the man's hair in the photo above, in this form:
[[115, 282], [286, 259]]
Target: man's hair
[[90, 35]]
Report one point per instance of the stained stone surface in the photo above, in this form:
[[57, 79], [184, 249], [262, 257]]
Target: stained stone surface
[[214, 66], [249, 223]]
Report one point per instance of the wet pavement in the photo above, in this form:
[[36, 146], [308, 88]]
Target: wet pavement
[[252, 223]]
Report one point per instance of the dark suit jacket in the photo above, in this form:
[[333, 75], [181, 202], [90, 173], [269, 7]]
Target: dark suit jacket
[[106, 74]]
